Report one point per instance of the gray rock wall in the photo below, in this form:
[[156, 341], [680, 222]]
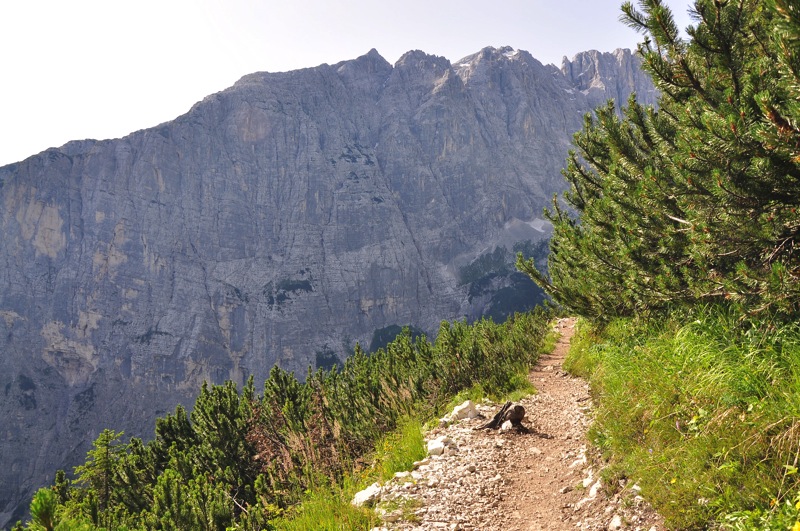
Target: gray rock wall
[[290, 214], [604, 76]]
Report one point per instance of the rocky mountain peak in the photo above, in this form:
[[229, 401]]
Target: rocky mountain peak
[[601, 76], [370, 63], [416, 61], [490, 63]]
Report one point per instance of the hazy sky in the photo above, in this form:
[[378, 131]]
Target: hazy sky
[[75, 69]]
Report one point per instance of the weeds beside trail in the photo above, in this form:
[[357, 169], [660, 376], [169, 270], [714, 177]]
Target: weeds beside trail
[[703, 412]]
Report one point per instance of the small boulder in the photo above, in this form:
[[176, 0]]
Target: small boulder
[[595, 488], [438, 445], [467, 410], [367, 497], [615, 523], [423, 462], [435, 447]]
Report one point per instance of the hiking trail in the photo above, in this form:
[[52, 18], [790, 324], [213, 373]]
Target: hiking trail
[[543, 477]]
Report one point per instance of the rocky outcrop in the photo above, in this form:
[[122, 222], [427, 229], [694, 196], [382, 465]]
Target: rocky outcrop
[[277, 222], [604, 76]]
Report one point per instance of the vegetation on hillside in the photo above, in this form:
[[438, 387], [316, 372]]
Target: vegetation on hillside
[[702, 412], [241, 460], [696, 201]]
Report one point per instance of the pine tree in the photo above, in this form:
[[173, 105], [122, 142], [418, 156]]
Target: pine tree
[[98, 475], [221, 419], [61, 486], [43, 510], [697, 200]]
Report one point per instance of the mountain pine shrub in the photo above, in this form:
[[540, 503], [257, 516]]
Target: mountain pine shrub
[[695, 201], [245, 461]]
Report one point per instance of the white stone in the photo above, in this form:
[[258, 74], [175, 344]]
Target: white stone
[[581, 503], [418, 464], [595, 488], [615, 523], [467, 410], [506, 426], [368, 496], [578, 462], [436, 447]]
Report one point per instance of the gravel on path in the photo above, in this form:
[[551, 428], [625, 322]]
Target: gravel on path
[[544, 476]]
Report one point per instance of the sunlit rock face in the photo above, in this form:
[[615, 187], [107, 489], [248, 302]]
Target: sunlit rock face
[[604, 76], [277, 222]]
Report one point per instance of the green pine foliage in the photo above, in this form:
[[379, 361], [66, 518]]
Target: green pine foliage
[[695, 201], [43, 510], [243, 461]]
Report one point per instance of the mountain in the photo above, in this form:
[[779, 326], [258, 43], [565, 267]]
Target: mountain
[[277, 222], [604, 76]]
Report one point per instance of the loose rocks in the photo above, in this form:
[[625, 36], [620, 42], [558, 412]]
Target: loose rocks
[[542, 477]]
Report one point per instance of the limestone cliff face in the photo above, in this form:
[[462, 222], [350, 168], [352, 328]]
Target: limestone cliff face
[[604, 76], [289, 215]]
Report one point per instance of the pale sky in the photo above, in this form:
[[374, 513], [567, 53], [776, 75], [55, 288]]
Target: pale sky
[[75, 69]]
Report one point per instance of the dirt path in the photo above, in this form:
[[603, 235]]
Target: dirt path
[[541, 479]]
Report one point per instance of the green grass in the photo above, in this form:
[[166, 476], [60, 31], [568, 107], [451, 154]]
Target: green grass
[[521, 387], [327, 509], [702, 411], [407, 508], [550, 340], [398, 451], [476, 393], [582, 359]]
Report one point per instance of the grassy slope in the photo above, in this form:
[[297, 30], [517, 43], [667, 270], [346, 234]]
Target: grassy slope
[[703, 412]]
